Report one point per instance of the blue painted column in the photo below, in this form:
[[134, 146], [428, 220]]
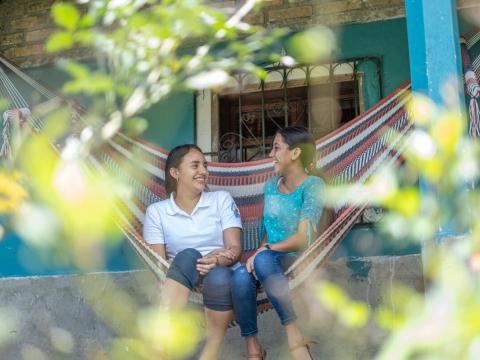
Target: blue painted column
[[434, 48], [435, 58]]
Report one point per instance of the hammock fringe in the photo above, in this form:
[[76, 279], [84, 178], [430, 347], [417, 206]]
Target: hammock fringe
[[350, 154]]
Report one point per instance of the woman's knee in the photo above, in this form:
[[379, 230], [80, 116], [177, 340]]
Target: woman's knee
[[218, 276], [264, 261], [184, 267], [242, 279], [187, 255], [216, 289], [186, 259]]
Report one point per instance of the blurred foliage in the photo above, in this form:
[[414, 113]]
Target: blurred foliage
[[432, 199], [51, 192], [146, 49]]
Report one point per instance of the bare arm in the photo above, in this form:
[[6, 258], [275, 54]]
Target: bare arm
[[160, 250], [297, 241], [233, 243], [227, 256]]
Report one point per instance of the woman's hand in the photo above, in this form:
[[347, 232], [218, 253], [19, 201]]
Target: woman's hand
[[206, 263], [226, 253], [249, 263]]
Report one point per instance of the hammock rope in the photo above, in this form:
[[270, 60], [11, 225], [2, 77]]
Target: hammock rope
[[471, 71], [351, 154], [372, 140]]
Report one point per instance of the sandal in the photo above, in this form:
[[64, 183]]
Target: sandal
[[305, 343], [260, 356]]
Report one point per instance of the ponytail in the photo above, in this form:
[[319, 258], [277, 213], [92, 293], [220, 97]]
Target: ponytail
[[174, 159], [298, 136]]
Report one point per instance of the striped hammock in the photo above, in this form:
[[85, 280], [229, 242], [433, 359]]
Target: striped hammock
[[471, 70], [351, 154]]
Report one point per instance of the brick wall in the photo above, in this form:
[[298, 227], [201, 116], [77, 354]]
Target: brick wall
[[25, 24], [300, 13]]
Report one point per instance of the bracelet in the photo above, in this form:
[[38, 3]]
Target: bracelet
[[267, 246]]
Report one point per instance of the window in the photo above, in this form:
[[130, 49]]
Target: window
[[238, 123]]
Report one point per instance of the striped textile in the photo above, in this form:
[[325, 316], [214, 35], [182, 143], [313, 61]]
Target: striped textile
[[351, 154], [471, 70], [473, 47]]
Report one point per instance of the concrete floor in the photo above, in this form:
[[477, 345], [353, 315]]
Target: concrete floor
[[58, 317]]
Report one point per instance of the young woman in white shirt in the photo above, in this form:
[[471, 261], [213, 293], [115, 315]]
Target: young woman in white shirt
[[198, 231]]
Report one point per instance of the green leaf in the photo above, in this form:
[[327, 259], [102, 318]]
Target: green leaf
[[77, 70], [85, 37], [3, 103], [86, 21], [388, 319], [65, 15], [354, 314], [331, 296], [59, 41], [93, 84], [135, 126]]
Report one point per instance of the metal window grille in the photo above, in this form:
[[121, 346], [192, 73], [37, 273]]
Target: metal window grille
[[251, 110]]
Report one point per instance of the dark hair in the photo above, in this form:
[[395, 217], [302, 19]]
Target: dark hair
[[299, 136], [174, 159]]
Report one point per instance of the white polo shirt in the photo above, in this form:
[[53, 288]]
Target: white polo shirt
[[165, 223]]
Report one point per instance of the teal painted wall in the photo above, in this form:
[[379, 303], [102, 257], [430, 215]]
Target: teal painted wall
[[465, 24], [171, 121], [387, 39], [18, 259], [365, 240]]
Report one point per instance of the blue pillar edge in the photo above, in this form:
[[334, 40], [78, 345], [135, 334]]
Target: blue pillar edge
[[435, 58], [434, 47]]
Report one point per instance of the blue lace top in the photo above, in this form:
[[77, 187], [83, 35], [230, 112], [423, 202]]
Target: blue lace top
[[283, 212]]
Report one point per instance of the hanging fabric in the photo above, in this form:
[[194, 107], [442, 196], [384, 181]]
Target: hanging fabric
[[472, 89], [350, 154]]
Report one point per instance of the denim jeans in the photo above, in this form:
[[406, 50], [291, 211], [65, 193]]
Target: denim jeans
[[215, 285], [269, 267]]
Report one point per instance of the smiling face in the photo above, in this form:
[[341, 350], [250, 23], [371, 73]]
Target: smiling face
[[283, 157], [192, 173]]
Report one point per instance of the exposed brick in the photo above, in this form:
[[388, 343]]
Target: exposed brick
[[11, 39], [272, 3], [265, 4], [290, 13], [25, 23], [38, 35], [255, 19], [356, 16], [222, 4], [25, 51], [335, 7], [467, 3], [39, 6], [9, 9], [378, 4]]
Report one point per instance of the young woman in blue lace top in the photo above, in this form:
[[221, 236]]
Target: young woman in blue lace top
[[292, 209]]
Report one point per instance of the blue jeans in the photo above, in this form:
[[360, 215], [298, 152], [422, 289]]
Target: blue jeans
[[270, 266], [215, 285]]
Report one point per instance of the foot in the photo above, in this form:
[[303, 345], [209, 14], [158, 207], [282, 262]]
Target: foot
[[254, 348], [260, 355], [301, 351]]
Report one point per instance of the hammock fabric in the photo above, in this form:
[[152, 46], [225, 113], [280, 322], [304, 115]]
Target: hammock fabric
[[351, 154], [471, 70]]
